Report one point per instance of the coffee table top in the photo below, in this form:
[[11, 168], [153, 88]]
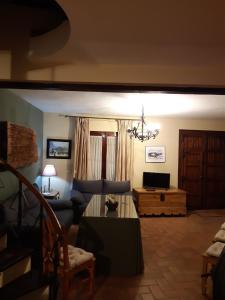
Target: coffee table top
[[97, 207]]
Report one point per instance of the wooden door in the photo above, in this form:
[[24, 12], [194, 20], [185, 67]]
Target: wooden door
[[202, 168], [191, 161], [214, 191]]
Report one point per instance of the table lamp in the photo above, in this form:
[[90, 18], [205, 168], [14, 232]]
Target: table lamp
[[49, 170]]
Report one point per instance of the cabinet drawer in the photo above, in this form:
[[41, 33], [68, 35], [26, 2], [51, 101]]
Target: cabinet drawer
[[151, 197], [162, 210], [151, 203], [175, 200]]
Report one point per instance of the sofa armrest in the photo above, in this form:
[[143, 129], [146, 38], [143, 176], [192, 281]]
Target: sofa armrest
[[77, 198], [58, 204]]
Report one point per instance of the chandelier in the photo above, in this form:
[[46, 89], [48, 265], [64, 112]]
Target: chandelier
[[143, 131]]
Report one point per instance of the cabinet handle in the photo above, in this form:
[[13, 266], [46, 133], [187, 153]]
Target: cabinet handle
[[162, 197]]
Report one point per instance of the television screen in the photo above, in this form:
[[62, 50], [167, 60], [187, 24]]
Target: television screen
[[156, 180]]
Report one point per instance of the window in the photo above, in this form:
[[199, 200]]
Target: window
[[102, 155]]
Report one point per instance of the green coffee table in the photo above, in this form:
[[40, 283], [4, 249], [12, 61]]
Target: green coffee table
[[114, 237]]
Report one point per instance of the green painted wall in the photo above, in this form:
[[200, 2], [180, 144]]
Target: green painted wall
[[17, 110]]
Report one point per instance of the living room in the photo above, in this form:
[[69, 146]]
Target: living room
[[104, 61], [56, 126]]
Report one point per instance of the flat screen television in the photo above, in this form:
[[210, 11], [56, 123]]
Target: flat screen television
[[153, 180]]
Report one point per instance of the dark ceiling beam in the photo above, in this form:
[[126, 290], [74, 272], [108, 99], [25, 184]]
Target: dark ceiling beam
[[113, 87]]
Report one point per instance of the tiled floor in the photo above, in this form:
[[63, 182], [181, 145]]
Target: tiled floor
[[172, 255]]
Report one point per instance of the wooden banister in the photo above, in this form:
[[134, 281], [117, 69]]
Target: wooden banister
[[40, 198]]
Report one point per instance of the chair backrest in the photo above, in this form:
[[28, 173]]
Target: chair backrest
[[54, 248]]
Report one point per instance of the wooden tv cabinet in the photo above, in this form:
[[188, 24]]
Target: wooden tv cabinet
[[159, 201]]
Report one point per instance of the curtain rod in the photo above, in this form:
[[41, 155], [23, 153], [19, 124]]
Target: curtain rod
[[103, 118]]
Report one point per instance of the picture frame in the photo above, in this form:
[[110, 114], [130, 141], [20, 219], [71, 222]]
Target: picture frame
[[155, 154], [58, 148]]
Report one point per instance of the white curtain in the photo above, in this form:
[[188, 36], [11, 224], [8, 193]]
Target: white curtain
[[81, 148], [95, 158], [124, 155], [111, 157]]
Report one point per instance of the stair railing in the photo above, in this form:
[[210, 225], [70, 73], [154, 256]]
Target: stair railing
[[60, 243]]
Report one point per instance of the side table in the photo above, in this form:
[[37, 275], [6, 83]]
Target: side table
[[51, 195]]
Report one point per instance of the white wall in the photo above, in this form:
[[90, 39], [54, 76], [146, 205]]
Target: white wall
[[60, 127], [168, 137]]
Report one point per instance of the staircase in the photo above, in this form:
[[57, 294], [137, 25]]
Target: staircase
[[18, 280], [20, 276]]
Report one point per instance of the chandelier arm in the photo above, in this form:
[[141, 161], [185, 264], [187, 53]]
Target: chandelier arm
[[139, 130]]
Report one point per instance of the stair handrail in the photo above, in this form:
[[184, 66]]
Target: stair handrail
[[38, 195], [60, 244]]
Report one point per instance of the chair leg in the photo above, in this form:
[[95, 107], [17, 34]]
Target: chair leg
[[204, 275], [65, 288], [91, 271]]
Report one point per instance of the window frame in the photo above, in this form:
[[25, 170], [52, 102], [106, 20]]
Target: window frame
[[104, 135]]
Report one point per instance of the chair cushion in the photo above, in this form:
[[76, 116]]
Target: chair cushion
[[88, 186], [114, 187], [77, 197], [220, 236], [77, 256], [215, 249]]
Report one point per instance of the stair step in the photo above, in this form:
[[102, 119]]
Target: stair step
[[14, 263], [29, 286], [3, 242], [41, 293]]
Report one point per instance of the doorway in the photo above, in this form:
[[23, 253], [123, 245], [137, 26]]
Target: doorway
[[201, 171]]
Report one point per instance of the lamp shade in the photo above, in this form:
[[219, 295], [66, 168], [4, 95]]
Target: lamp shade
[[49, 170]]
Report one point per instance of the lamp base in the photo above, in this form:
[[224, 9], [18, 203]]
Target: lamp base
[[49, 185]]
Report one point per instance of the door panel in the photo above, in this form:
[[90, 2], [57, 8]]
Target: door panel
[[191, 168], [202, 168], [215, 171]]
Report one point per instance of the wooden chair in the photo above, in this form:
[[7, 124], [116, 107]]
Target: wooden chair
[[63, 259], [208, 262]]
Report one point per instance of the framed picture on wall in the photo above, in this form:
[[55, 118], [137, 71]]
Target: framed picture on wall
[[155, 154], [58, 148]]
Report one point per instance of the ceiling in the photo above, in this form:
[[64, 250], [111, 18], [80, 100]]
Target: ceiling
[[145, 32], [176, 42], [125, 104]]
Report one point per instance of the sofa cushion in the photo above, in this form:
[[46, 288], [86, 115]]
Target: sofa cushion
[[58, 204], [65, 217], [87, 197], [88, 186], [114, 187]]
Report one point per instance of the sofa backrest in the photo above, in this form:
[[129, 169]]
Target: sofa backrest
[[88, 186], [115, 187], [101, 186]]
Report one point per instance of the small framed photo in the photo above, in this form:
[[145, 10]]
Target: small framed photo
[[155, 154], [58, 148]]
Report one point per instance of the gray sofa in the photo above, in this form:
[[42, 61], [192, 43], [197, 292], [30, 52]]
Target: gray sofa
[[31, 210], [83, 190]]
